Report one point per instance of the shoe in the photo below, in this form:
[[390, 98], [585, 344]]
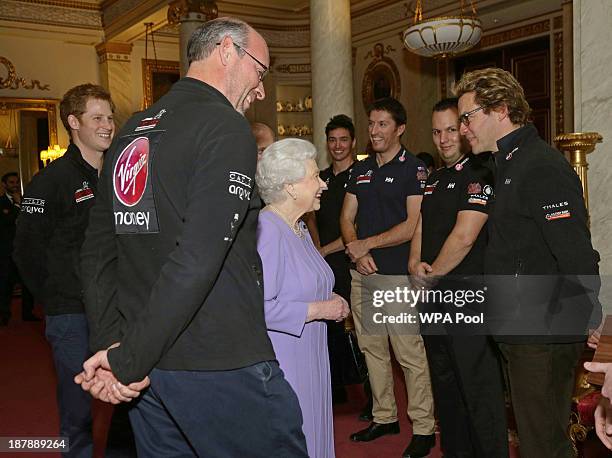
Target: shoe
[[420, 446], [375, 430]]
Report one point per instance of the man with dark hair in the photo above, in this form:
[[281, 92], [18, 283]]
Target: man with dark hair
[[379, 216], [540, 252], [174, 290], [50, 232], [447, 254], [10, 203]]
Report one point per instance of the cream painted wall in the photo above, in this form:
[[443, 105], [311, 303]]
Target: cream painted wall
[[57, 60], [61, 60], [418, 93]]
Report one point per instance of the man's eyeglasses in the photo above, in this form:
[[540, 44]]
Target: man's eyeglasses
[[262, 74], [465, 117]]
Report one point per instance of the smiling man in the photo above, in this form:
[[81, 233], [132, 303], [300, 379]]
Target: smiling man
[[174, 290], [50, 231], [540, 252], [379, 216], [448, 249]]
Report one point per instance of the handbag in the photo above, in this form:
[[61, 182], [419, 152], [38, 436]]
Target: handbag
[[355, 368]]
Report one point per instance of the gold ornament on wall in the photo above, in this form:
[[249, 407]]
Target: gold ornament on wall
[[12, 81], [382, 78]]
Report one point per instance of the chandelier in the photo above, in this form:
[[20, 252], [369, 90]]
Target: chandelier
[[442, 37], [52, 153]]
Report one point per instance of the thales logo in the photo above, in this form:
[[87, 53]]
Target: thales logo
[[130, 172]]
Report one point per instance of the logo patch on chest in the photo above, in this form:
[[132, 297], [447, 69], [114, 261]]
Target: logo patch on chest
[[131, 172]]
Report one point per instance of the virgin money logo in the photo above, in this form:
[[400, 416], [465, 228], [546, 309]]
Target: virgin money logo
[[130, 173]]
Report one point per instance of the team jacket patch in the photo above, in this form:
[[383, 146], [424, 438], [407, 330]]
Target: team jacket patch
[[558, 215], [365, 178], [133, 202], [31, 205], [240, 185], [85, 193]]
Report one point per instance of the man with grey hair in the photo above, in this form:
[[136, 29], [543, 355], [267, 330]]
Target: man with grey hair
[[172, 280]]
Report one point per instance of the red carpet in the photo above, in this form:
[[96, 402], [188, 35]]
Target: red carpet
[[28, 408]]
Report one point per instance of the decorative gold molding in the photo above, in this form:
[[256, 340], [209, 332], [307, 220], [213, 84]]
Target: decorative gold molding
[[13, 81], [150, 66], [48, 105], [112, 51], [179, 10], [66, 4], [558, 22], [558, 99], [514, 34], [381, 75], [293, 68]]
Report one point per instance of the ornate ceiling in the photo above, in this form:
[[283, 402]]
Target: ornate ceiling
[[284, 23]]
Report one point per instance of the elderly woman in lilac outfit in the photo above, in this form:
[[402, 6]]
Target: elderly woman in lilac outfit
[[298, 284]]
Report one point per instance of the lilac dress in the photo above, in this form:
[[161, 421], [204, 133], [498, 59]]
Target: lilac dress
[[295, 274]]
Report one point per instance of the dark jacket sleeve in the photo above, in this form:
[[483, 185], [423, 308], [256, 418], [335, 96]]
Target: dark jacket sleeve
[[40, 207], [554, 195], [193, 266], [99, 267]]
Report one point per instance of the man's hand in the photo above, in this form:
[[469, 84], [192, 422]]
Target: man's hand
[[357, 249], [98, 379], [602, 368], [594, 336], [419, 275], [16, 197], [603, 422], [366, 265]]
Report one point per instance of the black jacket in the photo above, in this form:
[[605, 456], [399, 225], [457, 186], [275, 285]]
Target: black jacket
[[539, 259], [170, 259], [51, 229]]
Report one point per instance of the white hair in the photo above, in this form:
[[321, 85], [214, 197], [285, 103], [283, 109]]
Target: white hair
[[282, 163]]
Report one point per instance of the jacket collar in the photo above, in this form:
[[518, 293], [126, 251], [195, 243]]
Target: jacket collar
[[73, 154], [513, 140]]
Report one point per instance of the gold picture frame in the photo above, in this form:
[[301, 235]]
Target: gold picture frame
[[158, 76], [381, 78]]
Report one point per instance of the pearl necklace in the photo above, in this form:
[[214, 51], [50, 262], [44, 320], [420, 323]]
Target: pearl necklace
[[295, 228]]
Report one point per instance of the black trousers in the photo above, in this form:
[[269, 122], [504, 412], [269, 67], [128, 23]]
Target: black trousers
[[467, 385], [9, 276], [337, 343], [541, 387]]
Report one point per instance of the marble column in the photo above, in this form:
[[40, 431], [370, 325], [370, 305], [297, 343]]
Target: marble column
[[331, 66], [189, 14], [592, 113], [116, 76]]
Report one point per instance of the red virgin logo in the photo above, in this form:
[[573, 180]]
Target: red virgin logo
[[130, 173]]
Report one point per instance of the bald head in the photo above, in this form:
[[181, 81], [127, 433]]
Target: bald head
[[264, 136]]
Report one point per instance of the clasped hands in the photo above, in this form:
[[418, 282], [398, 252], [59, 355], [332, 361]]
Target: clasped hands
[[98, 379], [359, 252]]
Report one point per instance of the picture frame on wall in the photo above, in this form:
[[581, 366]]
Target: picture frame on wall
[[158, 76]]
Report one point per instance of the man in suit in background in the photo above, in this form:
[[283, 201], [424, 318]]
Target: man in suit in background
[[10, 204]]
